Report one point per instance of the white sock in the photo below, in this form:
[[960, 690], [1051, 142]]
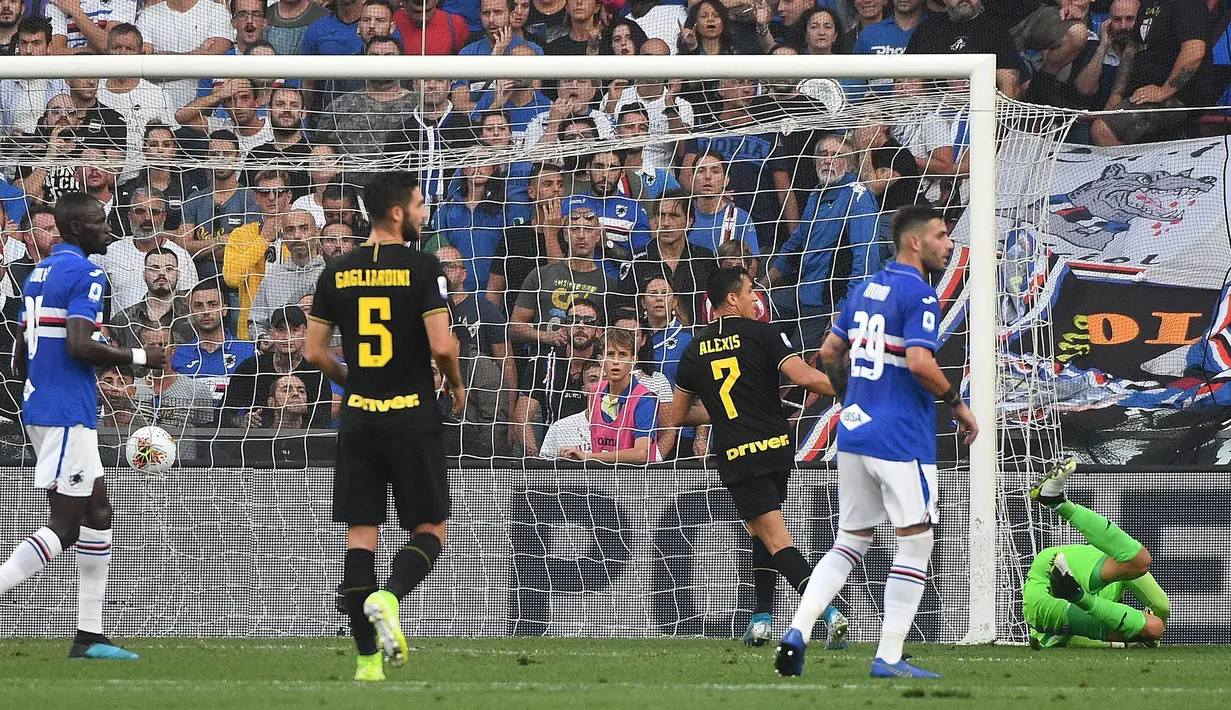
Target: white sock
[[828, 579], [32, 554], [93, 560], [903, 590]]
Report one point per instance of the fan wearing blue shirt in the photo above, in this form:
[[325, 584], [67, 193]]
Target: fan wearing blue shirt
[[468, 9], [494, 127], [889, 328], [56, 352], [750, 160], [519, 98], [889, 36], [14, 200], [474, 223], [716, 218], [214, 352], [495, 16], [337, 34], [841, 214], [668, 335], [626, 226]]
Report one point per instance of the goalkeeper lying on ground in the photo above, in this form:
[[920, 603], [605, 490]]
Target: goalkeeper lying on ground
[[1072, 592]]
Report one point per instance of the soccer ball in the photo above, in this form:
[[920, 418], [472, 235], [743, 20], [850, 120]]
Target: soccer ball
[[150, 450]]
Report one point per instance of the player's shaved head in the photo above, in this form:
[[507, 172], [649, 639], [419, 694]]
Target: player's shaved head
[[71, 211]]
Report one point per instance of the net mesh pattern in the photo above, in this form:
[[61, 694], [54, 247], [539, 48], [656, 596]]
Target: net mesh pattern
[[258, 184]]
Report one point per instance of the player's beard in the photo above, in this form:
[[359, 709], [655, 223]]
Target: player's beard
[[935, 262], [410, 232]]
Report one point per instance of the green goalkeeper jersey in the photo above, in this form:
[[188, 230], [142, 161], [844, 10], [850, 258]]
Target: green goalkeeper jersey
[[1048, 617]]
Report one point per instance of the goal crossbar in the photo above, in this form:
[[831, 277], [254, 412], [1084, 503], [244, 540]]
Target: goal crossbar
[[978, 69]]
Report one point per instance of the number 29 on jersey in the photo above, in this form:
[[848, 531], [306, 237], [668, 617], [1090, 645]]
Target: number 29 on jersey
[[868, 346]]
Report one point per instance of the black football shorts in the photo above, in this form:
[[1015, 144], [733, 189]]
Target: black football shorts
[[372, 462]]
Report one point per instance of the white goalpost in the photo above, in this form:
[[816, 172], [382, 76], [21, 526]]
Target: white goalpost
[[992, 471]]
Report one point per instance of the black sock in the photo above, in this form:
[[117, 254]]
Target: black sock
[[358, 581], [88, 637], [764, 577], [412, 564], [791, 564]]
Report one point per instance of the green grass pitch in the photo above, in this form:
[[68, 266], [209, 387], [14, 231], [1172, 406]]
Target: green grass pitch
[[587, 674]]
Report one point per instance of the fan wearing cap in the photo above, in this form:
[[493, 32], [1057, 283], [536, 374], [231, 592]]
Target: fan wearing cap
[[542, 305], [249, 387]]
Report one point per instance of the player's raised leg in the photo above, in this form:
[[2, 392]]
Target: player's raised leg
[[93, 567], [859, 509], [1081, 579], [1127, 558], [758, 494], [826, 581]]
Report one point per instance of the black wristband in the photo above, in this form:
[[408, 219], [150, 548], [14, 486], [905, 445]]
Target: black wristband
[[952, 397]]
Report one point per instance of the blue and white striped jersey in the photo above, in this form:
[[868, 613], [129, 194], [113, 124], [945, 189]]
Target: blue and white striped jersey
[[104, 13], [887, 414], [60, 391]]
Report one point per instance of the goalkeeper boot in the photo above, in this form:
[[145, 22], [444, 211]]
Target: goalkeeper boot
[[87, 645], [1061, 582], [760, 628], [835, 625], [1049, 491], [789, 656], [370, 668], [381, 608], [901, 669]]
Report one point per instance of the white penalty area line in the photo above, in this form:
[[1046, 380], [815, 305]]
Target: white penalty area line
[[200, 686]]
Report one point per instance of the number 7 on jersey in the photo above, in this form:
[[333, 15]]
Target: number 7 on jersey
[[727, 370]]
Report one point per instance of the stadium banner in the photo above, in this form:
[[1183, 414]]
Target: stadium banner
[[1134, 283], [570, 552]]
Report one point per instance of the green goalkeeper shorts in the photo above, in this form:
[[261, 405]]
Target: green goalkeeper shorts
[[1050, 617]]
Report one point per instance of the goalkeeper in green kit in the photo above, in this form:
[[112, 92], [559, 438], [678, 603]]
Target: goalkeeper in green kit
[[1072, 592]]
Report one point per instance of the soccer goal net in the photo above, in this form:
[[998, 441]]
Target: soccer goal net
[[566, 199]]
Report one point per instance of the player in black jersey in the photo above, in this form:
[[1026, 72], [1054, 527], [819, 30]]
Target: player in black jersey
[[389, 302], [732, 366]]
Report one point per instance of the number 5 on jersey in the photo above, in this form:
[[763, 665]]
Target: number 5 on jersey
[[374, 312]]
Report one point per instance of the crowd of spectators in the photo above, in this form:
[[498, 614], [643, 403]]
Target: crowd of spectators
[[228, 197]]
